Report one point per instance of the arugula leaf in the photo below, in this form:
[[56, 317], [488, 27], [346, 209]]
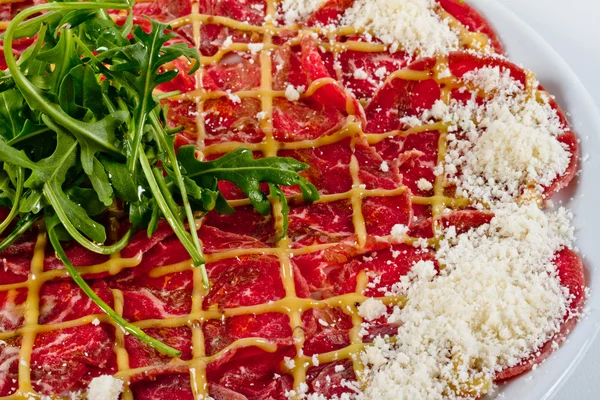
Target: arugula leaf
[[23, 226], [79, 93], [93, 136], [121, 180], [6, 191], [11, 118], [31, 202], [50, 173], [139, 65], [81, 130], [285, 209], [63, 57], [88, 199], [240, 168], [51, 224], [17, 194], [101, 184]]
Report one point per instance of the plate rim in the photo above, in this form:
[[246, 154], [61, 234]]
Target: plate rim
[[589, 325]]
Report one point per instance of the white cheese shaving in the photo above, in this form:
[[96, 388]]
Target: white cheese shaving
[[227, 42], [289, 362], [360, 74], [371, 309], [398, 231], [233, 97], [496, 301], [261, 115], [291, 93], [424, 184], [255, 47], [502, 146], [105, 387], [294, 11], [409, 25], [381, 72]]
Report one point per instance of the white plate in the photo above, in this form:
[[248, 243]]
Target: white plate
[[526, 47]]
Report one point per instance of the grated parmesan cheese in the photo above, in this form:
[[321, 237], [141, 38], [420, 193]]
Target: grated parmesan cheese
[[496, 301], [371, 309], [255, 47], [502, 146], [291, 93], [105, 387], [360, 74], [398, 231], [233, 97], [294, 11], [424, 184], [227, 42], [381, 72], [409, 25], [261, 115]]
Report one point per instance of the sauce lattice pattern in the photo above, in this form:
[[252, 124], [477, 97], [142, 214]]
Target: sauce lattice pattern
[[286, 310]]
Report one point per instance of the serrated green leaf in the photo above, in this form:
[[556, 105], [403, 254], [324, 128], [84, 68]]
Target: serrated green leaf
[[285, 209], [240, 168], [31, 202], [88, 199], [79, 93], [50, 174], [138, 66], [11, 118], [121, 180], [7, 193], [101, 184], [56, 166]]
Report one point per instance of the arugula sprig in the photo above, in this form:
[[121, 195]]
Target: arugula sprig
[[82, 133]]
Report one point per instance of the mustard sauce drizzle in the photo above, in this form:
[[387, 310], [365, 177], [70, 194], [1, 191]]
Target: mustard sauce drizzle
[[290, 305]]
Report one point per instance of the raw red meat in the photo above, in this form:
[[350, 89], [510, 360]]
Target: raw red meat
[[382, 213], [252, 373], [405, 98], [12, 309], [227, 120], [571, 273], [213, 36], [66, 360], [320, 223], [271, 326], [147, 298], [244, 281], [304, 120], [414, 155], [62, 359], [325, 380], [64, 301], [245, 222], [234, 73], [164, 387], [163, 10], [377, 66], [251, 11], [142, 355], [325, 330], [473, 20], [329, 166], [9, 359]]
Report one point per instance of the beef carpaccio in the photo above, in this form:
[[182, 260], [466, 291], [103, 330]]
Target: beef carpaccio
[[281, 319]]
